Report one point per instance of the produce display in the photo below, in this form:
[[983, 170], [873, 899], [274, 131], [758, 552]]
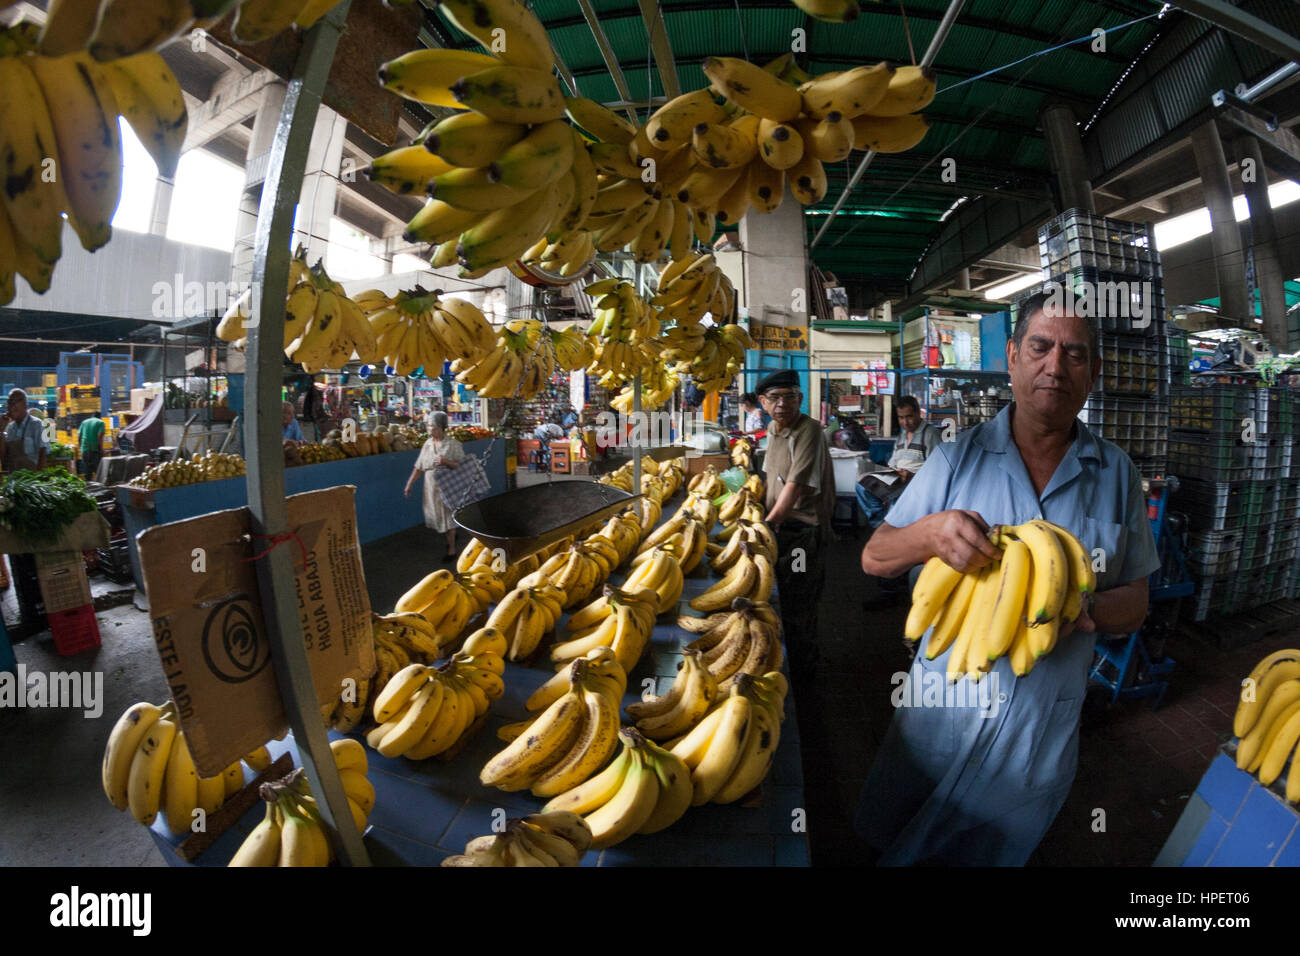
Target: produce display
[[1015, 606], [621, 619], [422, 329], [448, 600], [693, 692], [521, 362], [555, 838], [210, 466], [1267, 721], [40, 504], [742, 453], [292, 833], [525, 615], [746, 639]]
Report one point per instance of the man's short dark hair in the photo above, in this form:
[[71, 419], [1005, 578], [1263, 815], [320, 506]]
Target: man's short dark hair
[[909, 401], [1031, 305], [750, 399]]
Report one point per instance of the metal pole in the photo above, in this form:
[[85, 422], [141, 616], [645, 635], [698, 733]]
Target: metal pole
[[636, 407], [275, 576], [940, 35], [1268, 82]]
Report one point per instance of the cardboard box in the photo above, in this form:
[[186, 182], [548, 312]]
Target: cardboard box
[[62, 576], [698, 463], [141, 397], [209, 628]]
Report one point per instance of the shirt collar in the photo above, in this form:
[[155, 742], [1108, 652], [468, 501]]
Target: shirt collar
[[996, 436], [782, 433]]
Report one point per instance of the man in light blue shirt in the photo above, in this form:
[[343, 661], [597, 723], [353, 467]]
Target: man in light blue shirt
[[977, 777]]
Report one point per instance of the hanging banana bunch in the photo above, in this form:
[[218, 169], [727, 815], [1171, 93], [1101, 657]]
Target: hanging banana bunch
[[521, 364], [625, 332], [418, 328]]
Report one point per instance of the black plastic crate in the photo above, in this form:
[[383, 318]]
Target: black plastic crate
[[1213, 553], [1117, 303], [1208, 456], [1211, 408], [1077, 238], [1139, 426], [1210, 505], [1132, 367]]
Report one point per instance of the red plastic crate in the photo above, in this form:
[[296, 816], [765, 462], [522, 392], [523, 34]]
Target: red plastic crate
[[74, 631]]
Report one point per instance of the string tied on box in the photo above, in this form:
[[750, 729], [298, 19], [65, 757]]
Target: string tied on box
[[276, 539]]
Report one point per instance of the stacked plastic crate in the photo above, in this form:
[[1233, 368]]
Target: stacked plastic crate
[[1231, 448], [1109, 271]]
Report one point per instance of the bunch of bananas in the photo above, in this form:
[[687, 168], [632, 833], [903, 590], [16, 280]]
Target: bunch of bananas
[[525, 616], [625, 331], [425, 711], [707, 483], [682, 536], [418, 328], [476, 556], [60, 145], [573, 350], [624, 530], [577, 571], [693, 692], [743, 640], [448, 601], [520, 365], [323, 328], [110, 29], [539, 839], [734, 505], [568, 254], [711, 355], [756, 533], [601, 663], [658, 382], [1267, 721], [751, 575], [1014, 606], [292, 832], [730, 751], [832, 11], [691, 286], [644, 790], [659, 570], [511, 171], [210, 466], [742, 453], [783, 133], [620, 619], [147, 767], [568, 742]]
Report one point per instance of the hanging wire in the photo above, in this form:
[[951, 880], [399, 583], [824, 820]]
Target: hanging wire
[[908, 31], [744, 42]]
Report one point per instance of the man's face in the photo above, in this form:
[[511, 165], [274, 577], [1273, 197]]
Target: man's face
[[17, 408], [782, 404], [909, 418], [1052, 372]]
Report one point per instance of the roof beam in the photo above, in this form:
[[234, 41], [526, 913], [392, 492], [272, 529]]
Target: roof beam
[[1247, 25], [653, 15], [607, 54]]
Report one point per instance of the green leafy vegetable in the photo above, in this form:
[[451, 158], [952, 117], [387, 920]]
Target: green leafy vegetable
[[40, 504]]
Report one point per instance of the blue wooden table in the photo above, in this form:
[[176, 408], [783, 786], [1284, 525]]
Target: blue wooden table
[[425, 811]]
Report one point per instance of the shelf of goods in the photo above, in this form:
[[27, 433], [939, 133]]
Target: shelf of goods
[[427, 810], [381, 508]]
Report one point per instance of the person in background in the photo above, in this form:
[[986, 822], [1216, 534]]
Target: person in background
[[438, 452], [289, 424], [90, 436], [23, 443], [751, 420], [800, 481], [570, 417], [548, 432]]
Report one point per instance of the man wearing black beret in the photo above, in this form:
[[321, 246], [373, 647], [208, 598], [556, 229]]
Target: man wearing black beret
[[800, 501]]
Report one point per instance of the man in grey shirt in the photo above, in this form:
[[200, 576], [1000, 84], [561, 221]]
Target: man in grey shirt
[[916, 441]]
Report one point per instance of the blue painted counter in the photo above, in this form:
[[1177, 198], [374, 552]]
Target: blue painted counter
[[379, 479], [428, 810]]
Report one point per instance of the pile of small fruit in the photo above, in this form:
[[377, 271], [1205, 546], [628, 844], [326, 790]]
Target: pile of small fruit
[[210, 466]]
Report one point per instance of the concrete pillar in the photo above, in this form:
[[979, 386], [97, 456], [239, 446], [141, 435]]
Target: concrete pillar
[[264, 123], [1263, 234], [963, 280], [1225, 235], [162, 205], [320, 184], [1065, 153], [775, 263]]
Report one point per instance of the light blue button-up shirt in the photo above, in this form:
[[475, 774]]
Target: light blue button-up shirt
[[975, 774]]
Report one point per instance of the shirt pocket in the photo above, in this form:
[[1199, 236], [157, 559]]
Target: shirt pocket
[[1055, 756], [1111, 539]]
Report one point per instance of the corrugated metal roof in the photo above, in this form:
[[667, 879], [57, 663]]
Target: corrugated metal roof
[[988, 125]]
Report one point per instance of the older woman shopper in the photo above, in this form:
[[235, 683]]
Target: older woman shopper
[[289, 423], [438, 452]]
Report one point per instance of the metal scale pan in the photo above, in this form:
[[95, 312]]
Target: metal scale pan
[[526, 520]]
